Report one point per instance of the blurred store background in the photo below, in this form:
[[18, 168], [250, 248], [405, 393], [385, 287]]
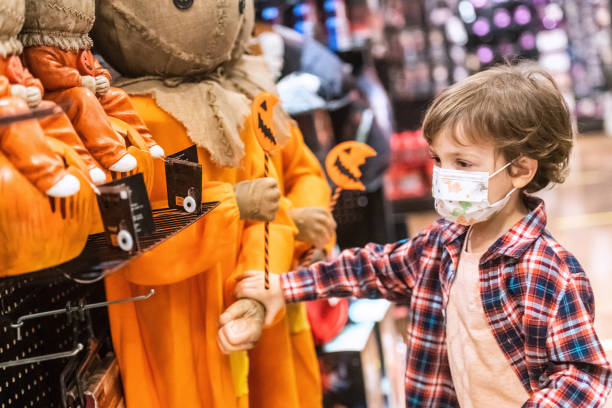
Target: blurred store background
[[366, 70]]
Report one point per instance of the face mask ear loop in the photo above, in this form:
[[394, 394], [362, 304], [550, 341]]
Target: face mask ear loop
[[502, 169]]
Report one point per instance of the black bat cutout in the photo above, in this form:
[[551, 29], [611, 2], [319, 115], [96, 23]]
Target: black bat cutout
[[344, 170], [266, 130]]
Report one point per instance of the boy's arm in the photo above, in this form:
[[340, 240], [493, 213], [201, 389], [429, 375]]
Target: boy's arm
[[579, 374], [375, 271]]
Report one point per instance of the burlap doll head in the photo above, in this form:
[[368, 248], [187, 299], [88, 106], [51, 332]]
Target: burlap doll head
[[11, 20], [172, 38], [63, 24]]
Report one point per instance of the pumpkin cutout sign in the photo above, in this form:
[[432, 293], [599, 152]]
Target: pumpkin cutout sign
[[343, 163], [262, 115]]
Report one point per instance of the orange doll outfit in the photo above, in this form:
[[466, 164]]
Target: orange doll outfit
[[24, 144], [56, 126], [283, 366], [60, 75]]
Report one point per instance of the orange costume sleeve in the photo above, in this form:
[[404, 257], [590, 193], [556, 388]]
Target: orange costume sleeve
[[48, 65], [17, 74], [99, 70], [24, 145], [4, 87]]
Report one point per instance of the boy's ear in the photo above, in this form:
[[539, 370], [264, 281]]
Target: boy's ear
[[522, 171]]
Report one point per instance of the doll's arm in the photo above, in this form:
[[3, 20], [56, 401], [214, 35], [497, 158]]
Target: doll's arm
[[45, 63], [5, 89], [101, 71], [32, 82]]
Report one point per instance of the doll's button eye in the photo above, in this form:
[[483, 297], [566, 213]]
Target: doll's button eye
[[183, 4], [241, 5]]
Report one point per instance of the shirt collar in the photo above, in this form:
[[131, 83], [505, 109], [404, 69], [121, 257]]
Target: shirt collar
[[513, 243]]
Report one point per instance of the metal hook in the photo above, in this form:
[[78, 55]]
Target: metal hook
[[56, 356], [69, 309]]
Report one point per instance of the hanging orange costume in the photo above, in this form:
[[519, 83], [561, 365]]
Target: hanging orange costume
[[24, 144], [60, 73], [284, 370], [166, 346]]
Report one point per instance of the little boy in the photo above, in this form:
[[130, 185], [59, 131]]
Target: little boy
[[500, 314]]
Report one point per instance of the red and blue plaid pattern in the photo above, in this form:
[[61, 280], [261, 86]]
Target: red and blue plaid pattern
[[536, 297]]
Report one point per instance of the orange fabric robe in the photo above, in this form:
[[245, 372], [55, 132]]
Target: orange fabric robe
[[23, 143], [60, 73], [167, 346], [284, 370]]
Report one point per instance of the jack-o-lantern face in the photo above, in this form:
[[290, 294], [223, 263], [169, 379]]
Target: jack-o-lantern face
[[262, 115], [343, 163]]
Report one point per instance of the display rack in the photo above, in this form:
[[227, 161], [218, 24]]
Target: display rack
[[56, 341]]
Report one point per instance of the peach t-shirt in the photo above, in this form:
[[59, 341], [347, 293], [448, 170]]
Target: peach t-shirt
[[482, 375]]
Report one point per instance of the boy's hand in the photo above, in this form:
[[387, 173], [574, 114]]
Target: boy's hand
[[241, 325], [251, 285], [316, 225]]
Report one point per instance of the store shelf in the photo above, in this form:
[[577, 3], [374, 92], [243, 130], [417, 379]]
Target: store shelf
[[99, 259]]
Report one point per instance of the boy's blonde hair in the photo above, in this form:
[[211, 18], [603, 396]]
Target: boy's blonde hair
[[520, 107]]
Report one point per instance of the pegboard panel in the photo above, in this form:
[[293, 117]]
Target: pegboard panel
[[350, 207], [37, 385]]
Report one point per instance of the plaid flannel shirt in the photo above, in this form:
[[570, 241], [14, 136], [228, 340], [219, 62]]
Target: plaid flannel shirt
[[536, 298]]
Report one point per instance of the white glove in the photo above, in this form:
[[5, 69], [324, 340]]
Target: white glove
[[102, 85], [19, 91], [89, 82], [34, 97]]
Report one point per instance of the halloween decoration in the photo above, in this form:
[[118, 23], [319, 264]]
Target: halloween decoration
[[47, 204], [263, 121], [195, 86], [30, 89], [343, 162], [57, 51]]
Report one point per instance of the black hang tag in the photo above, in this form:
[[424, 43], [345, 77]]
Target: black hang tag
[[116, 210], [184, 185], [190, 154], [140, 213]]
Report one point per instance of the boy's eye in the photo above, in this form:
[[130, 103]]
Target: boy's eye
[[435, 158], [462, 163]]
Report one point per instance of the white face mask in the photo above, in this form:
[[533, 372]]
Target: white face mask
[[463, 196]]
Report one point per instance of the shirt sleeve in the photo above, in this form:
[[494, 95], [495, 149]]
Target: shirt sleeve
[[579, 374], [376, 271], [45, 63]]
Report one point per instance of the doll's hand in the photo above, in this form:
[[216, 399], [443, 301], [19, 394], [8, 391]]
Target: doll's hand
[[252, 285], [102, 85], [241, 325], [258, 200], [19, 91], [33, 96], [316, 225], [89, 82]]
